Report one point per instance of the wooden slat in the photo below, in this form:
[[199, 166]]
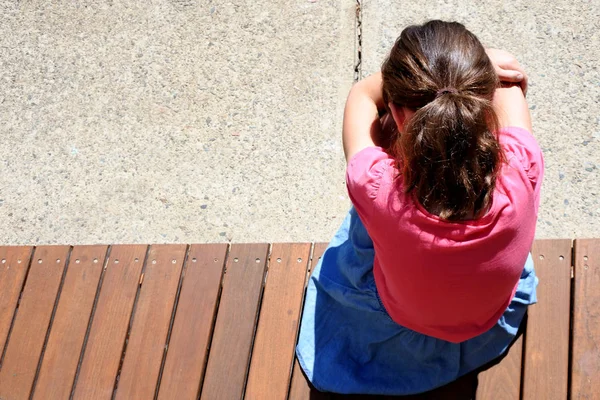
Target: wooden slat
[[151, 321], [273, 352], [32, 321], [547, 340], [318, 250], [70, 324], [299, 388], [102, 354], [503, 381], [585, 383], [230, 350], [317, 253], [14, 262], [187, 351]]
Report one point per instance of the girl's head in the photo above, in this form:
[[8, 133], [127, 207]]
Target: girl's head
[[438, 83]]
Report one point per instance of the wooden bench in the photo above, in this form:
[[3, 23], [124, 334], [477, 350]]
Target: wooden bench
[[221, 322]]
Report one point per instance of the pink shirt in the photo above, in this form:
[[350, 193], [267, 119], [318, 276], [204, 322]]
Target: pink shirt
[[449, 280]]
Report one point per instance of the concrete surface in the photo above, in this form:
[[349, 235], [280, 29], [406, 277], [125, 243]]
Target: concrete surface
[[204, 121], [173, 120], [558, 43]]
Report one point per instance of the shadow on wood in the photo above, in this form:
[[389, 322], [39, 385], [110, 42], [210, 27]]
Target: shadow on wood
[[464, 388]]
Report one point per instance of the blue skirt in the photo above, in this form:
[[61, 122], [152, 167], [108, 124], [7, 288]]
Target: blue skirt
[[349, 344]]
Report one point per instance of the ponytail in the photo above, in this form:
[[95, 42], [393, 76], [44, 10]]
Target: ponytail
[[448, 153]]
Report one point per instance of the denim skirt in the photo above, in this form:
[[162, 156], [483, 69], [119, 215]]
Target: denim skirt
[[349, 344]]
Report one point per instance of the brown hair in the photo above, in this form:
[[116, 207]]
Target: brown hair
[[448, 152]]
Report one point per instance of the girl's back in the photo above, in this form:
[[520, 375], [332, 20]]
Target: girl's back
[[450, 280], [434, 278]]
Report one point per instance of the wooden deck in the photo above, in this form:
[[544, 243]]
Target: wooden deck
[[220, 322]]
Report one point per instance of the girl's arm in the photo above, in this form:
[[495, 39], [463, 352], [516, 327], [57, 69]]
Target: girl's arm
[[511, 107], [509, 99], [361, 127]]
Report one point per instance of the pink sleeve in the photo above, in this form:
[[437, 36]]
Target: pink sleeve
[[363, 178], [523, 145]]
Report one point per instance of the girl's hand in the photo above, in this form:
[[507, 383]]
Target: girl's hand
[[508, 68]]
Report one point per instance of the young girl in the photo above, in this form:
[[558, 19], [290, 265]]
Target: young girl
[[430, 275]]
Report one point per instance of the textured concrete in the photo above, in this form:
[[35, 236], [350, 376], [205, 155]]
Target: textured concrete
[[202, 121], [173, 120], [558, 42]]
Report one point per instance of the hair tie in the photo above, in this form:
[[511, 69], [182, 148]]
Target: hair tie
[[445, 90]]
